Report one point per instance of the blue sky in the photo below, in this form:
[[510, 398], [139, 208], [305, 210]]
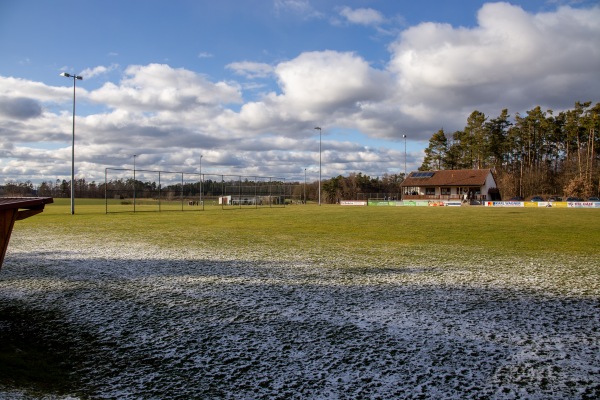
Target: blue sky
[[245, 82]]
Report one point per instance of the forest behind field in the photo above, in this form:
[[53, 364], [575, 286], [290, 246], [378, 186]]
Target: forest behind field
[[535, 153]]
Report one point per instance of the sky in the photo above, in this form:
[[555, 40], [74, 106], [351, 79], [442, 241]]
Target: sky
[[237, 87]]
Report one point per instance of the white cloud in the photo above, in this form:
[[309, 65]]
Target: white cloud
[[15, 87], [99, 70], [362, 16], [511, 58], [205, 55], [315, 86], [301, 8], [251, 69], [329, 80], [159, 87]]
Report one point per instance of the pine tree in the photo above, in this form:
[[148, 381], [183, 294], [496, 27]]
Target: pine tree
[[435, 153]]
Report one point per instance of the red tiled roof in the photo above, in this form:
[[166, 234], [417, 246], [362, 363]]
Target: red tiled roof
[[453, 177]]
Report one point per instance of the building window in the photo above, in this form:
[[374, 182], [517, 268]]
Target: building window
[[445, 191], [411, 191], [430, 191]]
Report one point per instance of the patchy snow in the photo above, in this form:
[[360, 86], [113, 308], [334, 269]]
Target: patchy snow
[[200, 323]]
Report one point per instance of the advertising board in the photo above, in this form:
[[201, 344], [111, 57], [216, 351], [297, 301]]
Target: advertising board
[[416, 203], [558, 204], [353, 203], [583, 204], [504, 203], [379, 203], [546, 204]]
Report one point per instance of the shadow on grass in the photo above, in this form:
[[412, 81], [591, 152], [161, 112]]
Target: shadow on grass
[[173, 328], [35, 356]]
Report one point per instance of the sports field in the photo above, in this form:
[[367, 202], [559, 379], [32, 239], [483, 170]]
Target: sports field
[[307, 302]]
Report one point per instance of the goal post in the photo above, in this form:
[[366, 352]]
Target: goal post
[[134, 190], [128, 190], [251, 192]]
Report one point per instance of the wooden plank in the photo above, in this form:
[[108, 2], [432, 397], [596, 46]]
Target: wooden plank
[[7, 203], [17, 208], [28, 213], [7, 221]]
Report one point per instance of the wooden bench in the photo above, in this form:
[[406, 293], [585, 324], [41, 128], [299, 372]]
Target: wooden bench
[[14, 209]]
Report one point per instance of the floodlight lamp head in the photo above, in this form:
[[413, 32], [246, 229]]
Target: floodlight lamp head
[[78, 77], [65, 74], [318, 127]]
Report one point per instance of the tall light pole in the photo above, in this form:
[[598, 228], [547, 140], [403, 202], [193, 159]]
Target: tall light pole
[[319, 128], [75, 78], [404, 136], [134, 156], [304, 185], [200, 203]]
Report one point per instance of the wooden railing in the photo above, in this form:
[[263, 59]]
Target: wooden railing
[[13, 209]]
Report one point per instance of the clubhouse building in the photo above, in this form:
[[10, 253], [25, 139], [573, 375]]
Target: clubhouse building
[[462, 184]]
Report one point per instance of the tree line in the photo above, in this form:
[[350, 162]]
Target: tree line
[[126, 188], [354, 186], [536, 153], [58, 188], [357, 186]]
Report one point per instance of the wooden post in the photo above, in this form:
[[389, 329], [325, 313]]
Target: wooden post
[[15, 209], [7, 221]]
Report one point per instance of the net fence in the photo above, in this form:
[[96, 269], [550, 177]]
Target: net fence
[[128, 190]]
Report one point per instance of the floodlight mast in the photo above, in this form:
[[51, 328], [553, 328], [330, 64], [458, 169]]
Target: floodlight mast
[[75, 78], [404, 136], [304, 186], [200, 201], [319, 128], [134, 156]]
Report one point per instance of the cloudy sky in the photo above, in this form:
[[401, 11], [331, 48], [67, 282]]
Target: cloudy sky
[[244, 83]]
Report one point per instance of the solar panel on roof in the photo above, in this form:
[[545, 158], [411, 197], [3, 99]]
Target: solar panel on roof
[[427, 174]]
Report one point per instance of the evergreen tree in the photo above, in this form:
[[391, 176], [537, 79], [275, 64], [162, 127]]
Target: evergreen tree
[[477, 139], [497, 130], [435, 153]]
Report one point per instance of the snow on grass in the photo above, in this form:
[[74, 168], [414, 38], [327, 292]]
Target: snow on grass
[[205, 323]]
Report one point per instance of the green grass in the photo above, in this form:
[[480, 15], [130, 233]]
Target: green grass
[[481, 244], [306, 229]]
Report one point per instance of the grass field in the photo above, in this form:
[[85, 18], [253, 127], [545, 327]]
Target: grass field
[[519, 231], [303, 302]]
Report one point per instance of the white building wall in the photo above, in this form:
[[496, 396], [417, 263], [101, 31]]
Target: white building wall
[[489, 183]]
